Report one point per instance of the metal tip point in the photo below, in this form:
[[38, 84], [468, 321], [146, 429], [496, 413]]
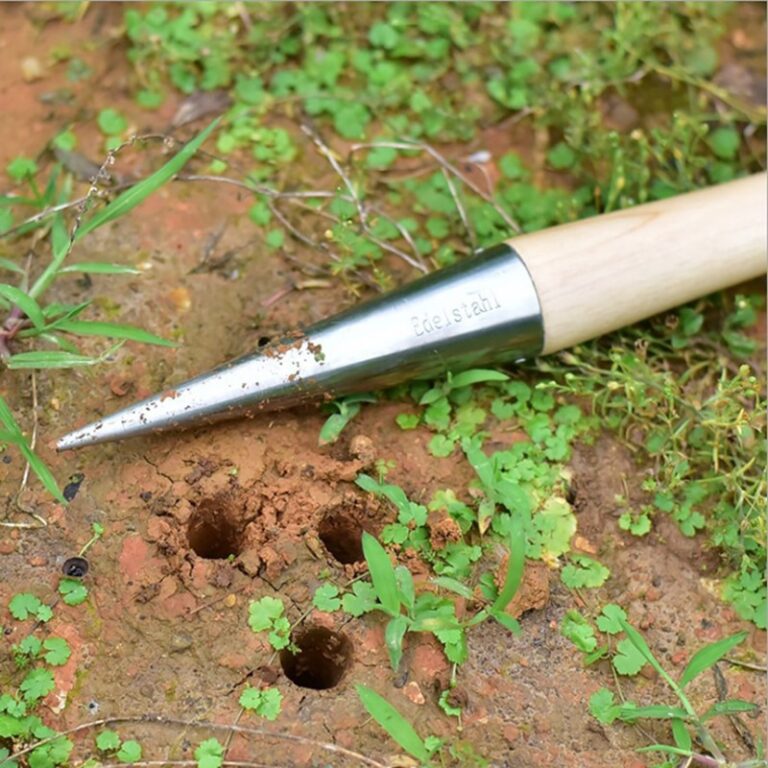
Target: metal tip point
[[76, 439]]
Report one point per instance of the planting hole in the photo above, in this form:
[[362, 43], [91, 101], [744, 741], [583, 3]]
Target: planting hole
[[321, 660], [213, 532], [342, 536]]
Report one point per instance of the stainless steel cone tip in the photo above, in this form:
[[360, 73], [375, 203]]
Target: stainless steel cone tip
[[482, 309]]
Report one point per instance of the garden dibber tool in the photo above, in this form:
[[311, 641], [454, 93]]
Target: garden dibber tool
[[535, 294]]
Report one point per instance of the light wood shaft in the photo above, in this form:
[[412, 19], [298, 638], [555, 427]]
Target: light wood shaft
[[600, 274]]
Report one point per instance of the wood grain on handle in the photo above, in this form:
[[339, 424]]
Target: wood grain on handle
[[600, 274]]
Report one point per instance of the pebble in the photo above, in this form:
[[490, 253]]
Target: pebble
[[180, 641], [180, 299], [37, 561], [413, 693], [31, 69], [7, 547], [250, 560], [361, 447]]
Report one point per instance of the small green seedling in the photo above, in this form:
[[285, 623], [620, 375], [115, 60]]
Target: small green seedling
[[266, 702], [54, 323], [346, 410], [97, 531], [109, 743], [450, 409], [25, 605], [267, 615], [688, 727], [326, 598], [20, 727], [498, 487], [410, 514], [454, 558], [72, 591], [582, 571], [392, 592], [209, 754]]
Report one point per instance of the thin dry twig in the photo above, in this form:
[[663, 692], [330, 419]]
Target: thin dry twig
[[33, 438], [41, 522], [255, 188], [298, 234], [416, 263], [460, 208], [297, 196], [746, 665], [329, 155], [149, 763], [413, 145], [205, 726], [362, 210], [404, 233]]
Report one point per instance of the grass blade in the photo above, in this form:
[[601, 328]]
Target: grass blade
[[453, 585], [10, 266], [60, 245], [64, 311], [393, 637], [667, 748], [16, 200], [110, 331], [35, 462], [680, 734], [55, 358], [99, 268], [639, 642], [393, 493], [630, 713], [479, 461], [405, 587], [475, 376], [515, 565], [382, 574], [709, 655], [393, 723], [25, 302], [49, 359], [7, 420], [43, 473], [729, 707], [129, 199], [59, 341], [50, 311], [510, 624]]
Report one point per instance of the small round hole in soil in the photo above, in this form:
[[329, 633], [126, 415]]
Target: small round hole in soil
[[75, 567], [321, 660], [213, 532], [342, 536]]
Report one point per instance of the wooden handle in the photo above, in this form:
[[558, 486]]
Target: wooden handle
[[597, 275]]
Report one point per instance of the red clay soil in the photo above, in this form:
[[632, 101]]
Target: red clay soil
[[199, 523]]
